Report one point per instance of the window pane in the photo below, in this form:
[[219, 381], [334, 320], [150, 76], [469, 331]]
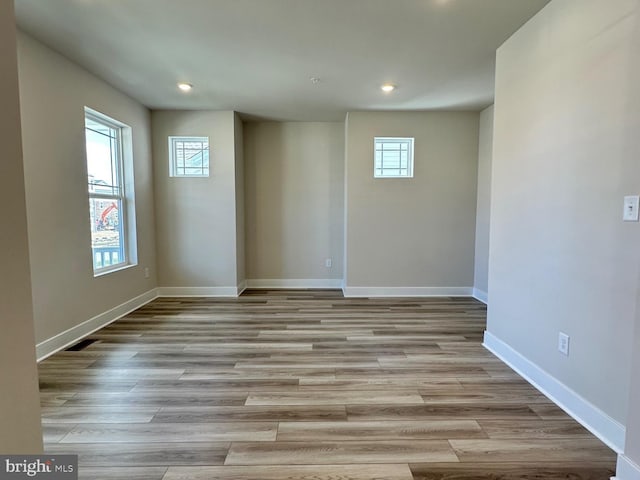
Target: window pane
[[393, 157], [189, 156], [107, 200], [102, 158], [107, 236]]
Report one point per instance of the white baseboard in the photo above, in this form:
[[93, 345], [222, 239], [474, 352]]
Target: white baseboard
[[74, 334], [407, 291], [294, 283], [242, 286], [591, 417], [626, 469], [198, 291], [481, 295]]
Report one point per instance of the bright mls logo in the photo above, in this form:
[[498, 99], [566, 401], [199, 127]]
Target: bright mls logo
[[59, 467]]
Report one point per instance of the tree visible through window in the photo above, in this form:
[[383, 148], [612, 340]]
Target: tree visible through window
[[107, 199]]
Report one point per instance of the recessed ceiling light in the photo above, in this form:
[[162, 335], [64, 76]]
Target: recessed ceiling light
[[388, 88], [314, 80], [185, 87]]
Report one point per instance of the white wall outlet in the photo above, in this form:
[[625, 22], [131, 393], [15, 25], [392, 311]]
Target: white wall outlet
[[146, 272], [563, 343], [328, 262], [630, 213]]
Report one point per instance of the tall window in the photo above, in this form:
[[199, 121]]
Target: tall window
[[393, 157], [107, 196], [189, 156]]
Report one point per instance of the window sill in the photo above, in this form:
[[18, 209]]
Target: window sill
[[119, 268]]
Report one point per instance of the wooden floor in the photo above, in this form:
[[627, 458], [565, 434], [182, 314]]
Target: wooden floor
[[305, 385]]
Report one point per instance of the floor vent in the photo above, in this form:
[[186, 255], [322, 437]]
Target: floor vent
[[81, 345]]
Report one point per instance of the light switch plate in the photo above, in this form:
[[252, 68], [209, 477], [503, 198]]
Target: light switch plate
[[563, 343], [631, 203]]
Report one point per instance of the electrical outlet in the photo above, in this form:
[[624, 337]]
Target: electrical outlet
[[563, 343], [328, 263], [146, 272]]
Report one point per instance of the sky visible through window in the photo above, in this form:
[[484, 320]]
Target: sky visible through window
[[101, 145]]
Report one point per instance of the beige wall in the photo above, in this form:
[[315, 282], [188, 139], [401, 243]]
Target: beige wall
[[632, 445], [240, 216], [20, 430], [53, 94], [294, 200], [629, 463], [416, 232], [565, 153], [485, 153], [196, 217]]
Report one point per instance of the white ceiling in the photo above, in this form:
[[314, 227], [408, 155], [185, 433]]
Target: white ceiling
[[257, 56]]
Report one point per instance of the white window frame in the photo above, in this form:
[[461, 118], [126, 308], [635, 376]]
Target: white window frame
[[122, 153], [173, 166], [379, 141]]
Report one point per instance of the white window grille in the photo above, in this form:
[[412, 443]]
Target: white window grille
[[393, 157], [189, 156]]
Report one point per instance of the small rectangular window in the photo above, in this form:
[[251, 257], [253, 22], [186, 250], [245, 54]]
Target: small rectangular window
[[393, 157], [189, 156], [108, 201]]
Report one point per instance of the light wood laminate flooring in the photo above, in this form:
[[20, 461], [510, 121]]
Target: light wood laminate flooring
[[308, 385]]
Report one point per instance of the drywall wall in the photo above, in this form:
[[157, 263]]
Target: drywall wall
[[483, 207], [196, 217], [629, 463], [413, 234], [53, 94], [20, 430], [294, 201], [566, 124], [240, 216]]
